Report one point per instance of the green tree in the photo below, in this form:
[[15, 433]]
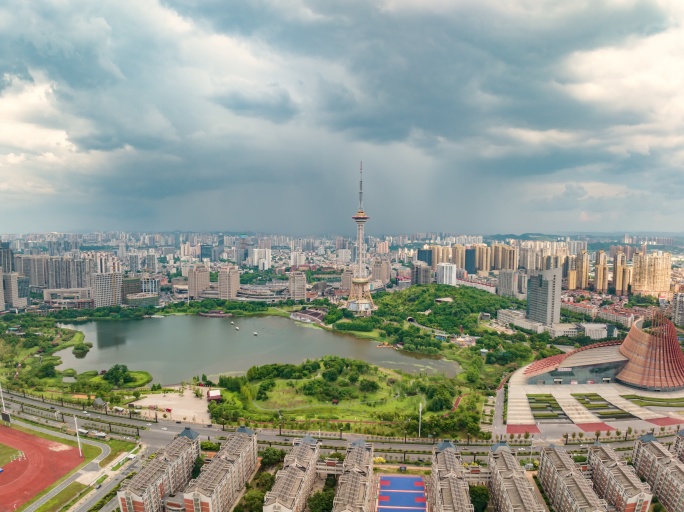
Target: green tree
[[479, 497], [197, 466], [118, 375], [272, 456], [368, 386], [254, 499], [321, 501]]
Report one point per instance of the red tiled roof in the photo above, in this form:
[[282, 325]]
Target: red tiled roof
[[554, 362]]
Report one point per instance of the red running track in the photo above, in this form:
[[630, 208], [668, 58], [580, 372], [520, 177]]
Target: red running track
[[45, 462]]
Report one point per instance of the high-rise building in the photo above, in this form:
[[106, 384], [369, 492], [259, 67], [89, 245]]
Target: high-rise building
[[567, 489], [219, 484], [678, 309], [14, 295], [355, 486], [198, 281], [544, 296], [421, 273], [228, 282], [449, 489], [107, 289], [572, 279], [651, 273], [583, 270], [458, 255], [446, 273], [426, 256], [471, 260], [346, 279], [601, 272], [297, 259], [661, 470], [483, 257], [2, 292], [130, 286], [294, 482], [166, 474], [360, 301], [621, 274], [512, 283], [509, 489], [504, 257], [297, 284], [616, 482], [381, 270], [6, 257]]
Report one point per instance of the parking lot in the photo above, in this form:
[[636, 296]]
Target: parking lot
[[188, 407]]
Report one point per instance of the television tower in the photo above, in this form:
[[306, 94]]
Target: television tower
[[360, 301]]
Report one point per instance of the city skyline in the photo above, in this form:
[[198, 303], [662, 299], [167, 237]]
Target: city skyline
[[179, 117]]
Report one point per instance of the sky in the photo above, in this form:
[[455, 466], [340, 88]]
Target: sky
[[470, 116]]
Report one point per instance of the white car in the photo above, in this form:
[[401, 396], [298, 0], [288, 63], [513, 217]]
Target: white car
[[148, 424], [164, 428]]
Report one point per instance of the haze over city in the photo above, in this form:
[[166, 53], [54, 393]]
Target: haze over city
[[478, 116]]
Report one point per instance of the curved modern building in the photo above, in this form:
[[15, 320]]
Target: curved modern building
[[650, 360]]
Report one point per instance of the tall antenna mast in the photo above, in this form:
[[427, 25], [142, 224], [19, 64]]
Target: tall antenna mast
[[361, 189]]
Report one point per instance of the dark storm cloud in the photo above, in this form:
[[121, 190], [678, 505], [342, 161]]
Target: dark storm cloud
[[153, 115]]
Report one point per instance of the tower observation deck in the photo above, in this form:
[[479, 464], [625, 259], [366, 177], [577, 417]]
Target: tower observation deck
[[360, 300]]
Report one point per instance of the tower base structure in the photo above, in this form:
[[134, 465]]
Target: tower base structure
[[360, 301]]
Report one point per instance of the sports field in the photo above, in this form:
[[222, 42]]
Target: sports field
[[7, 453], [44, 462], [398, 493]]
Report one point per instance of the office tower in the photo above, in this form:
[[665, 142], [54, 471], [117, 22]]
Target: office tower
[[134, 262], [426, 256], [583, 270], [297, 285], [509, 489], [228, 282], [198, 281], [567, 489], [678, 309], [15, 290], [446, 273], [6, 257], [360, 301], [651, 273], [661, 470], [616, 482], [421, 273], [381, 271], [241, 251], [601, 272], [107, 289], [458, 255], [471, 260], [205, 252], [449, 491], [543, 296], [294, 482]]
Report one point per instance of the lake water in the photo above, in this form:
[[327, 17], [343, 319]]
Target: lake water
[[176, 348]]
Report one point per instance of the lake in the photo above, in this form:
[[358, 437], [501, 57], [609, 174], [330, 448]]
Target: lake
[[176, 348]]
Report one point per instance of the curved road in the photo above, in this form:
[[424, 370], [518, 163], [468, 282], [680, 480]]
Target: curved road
[[105, 451]]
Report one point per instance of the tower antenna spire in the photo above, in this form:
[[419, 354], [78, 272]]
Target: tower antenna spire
[[361, 188]]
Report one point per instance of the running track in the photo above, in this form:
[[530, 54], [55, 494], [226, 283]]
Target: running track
[[45, 462]]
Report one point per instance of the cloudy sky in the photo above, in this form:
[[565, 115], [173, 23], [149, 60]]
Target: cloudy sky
[[469, 115]]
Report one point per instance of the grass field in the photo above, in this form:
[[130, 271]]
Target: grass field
[[118, 447], [68, 493], [6, 454]]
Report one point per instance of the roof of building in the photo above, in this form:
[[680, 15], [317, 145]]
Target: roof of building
[[449, 475], [189, 433], [353, 488], [289, 480], [576, 484], [595, 354]]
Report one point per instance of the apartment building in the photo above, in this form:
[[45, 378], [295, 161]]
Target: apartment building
[[616, 482], [662, 470], [509, 489], [449, 488], [567, 489], [297, 285], [354, 488], [294, 482], [678, 446], [220, 482], [198, 281], [228, 282], [166, 474], [107, 289]]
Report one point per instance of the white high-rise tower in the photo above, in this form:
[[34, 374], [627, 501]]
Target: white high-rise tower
[[360, 300]]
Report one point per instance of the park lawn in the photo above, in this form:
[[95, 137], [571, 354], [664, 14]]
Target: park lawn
[[6, 454], [70, 492], [117, 447]]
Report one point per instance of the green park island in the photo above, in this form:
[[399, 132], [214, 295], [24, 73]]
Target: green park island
[[332, 393]]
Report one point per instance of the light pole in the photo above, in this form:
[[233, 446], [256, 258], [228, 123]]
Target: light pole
[[2, 398], [78, 437], [420, 417]]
